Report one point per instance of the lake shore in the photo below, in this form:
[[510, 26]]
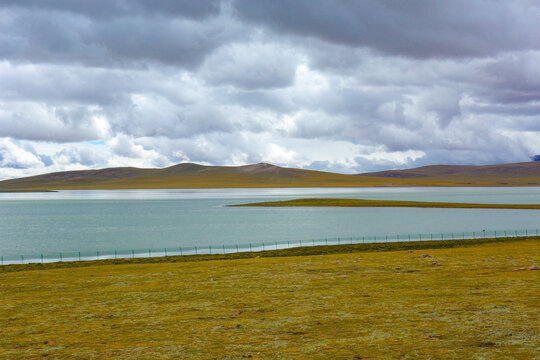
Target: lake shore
[[294, 251]]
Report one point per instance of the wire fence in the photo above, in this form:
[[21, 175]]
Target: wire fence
[[250, 247]]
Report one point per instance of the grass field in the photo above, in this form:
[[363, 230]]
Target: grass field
[[386, 203], [470, 302]]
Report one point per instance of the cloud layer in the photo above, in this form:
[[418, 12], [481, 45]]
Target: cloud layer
[[348, 86]]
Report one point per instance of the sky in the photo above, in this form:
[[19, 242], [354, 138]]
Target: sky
[[344, 86]]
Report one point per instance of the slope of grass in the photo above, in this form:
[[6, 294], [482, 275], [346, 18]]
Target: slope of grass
[[265, 175], [477, 302], [385, 203]]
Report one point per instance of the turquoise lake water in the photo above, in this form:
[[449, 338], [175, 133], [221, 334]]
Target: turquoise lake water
[[33, 223]]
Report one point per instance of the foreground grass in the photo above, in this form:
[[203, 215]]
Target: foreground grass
[[387, 203], [475, 302]]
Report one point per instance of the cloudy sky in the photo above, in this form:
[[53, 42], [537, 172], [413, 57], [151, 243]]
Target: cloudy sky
[[346, 86]]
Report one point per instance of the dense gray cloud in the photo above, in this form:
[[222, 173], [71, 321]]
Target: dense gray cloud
[[418, 28], [251, 66], [120, 34], [347, 86], [116, 8]]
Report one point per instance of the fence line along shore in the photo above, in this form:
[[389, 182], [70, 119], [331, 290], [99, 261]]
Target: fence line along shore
[[253, 247]]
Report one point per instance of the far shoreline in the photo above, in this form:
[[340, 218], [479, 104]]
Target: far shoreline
[[318, 202]]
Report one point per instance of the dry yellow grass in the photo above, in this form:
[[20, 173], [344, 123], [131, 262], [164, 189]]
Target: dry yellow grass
[[477, 302]]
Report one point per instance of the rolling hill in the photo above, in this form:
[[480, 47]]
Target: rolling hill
[[526, 173], [189, 175]]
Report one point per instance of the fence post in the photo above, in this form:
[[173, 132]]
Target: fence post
[[398, 238], [409, 237], [326, 241], [263, 245], [420, 237], [250, 247], [180, 248], [97, 255], [526, 232], [42, 258], [79, 257], [2, 260], [363, 239], [195, 250], [210, 249], [237, 248], [338, 241], [149, 253], [312, 242], [132, 253], [22, 259], [165, 252], [442, 236], [60, 257], [351, 240], [115, 253], [276, 245]]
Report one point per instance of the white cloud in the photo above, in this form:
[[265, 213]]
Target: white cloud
[[13, 155], [279, 155]]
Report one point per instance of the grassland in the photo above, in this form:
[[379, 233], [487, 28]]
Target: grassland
[[385, 203], [471, 302]]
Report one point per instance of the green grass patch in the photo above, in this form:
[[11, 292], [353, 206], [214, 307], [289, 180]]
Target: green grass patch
[[385, 203], [465, 302]]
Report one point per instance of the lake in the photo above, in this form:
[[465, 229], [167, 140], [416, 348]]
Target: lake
[[104, 220]]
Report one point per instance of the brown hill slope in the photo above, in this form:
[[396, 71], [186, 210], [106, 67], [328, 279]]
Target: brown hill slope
[[188, 175], [526, 173]]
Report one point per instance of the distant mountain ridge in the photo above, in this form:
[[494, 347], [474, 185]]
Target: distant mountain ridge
[[190, 175], [507, 171]]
